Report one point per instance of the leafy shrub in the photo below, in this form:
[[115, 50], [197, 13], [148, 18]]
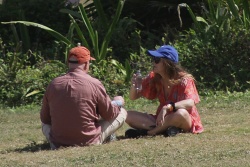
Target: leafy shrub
[[29, 84], [217, 50], [220, 63], [116, 77], [111, 77], [24, 76]]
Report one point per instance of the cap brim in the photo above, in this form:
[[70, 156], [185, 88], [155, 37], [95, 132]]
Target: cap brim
[[154, 53]]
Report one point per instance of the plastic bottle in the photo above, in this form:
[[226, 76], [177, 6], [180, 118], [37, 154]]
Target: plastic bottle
[[117, 103], [138, 81]]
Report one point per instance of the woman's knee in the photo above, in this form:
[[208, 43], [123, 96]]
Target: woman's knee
[[182, 114], [184, 118]]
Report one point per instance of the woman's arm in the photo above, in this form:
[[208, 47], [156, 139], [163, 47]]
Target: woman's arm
[[185, 104], [134, 94]]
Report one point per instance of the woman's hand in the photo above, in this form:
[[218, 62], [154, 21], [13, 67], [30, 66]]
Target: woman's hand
[[133, 80], [161, 116], [134, 93]]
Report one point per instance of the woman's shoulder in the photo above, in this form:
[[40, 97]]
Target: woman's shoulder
[[186, 80]]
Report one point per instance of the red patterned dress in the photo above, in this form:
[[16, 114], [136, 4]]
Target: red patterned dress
[[186, 89]]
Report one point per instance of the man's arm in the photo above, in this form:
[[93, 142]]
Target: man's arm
[[106, 109], [45, 111]]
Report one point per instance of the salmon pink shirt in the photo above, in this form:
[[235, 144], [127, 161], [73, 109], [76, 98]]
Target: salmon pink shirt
[[72, 105], [186, 89]]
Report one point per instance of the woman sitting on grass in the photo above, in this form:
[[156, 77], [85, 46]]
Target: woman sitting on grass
[[175, 88]]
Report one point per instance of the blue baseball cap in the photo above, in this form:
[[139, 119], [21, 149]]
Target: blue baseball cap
[[165, 51]]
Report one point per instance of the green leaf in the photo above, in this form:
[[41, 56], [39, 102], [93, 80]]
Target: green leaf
[[87, 23], [200, 19], [13, 28], [234, 9], [33, 93], [111, 29], [54, 33], [191, 14], [79, 32], [246, 13], [24, 34], [118, 65], [212, 12], [101, 14]]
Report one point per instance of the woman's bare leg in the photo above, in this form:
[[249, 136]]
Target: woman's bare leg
[[180, 119], [140, 120]]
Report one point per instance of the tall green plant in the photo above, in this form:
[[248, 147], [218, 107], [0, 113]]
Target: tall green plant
[[216, 50], [221, 18], [215, 20], [98, 46], [54, 33], [242, 16], [99, 52], [102, 52]]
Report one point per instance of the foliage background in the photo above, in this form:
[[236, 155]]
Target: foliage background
[[215, 49]]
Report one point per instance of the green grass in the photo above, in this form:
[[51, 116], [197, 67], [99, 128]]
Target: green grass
[[225, 142]]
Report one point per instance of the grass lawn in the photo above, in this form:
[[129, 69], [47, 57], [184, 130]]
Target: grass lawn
[[225, 142]]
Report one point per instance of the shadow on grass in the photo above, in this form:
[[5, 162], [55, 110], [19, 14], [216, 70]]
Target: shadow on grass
[[35, 147], [32, 147]]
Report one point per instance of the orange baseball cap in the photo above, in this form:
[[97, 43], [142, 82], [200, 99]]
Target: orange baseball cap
[[81, 53]]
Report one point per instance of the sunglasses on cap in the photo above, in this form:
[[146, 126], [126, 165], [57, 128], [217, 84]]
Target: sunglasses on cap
[[156, 60]]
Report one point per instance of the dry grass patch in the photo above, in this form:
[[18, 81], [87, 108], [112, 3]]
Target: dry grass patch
[[225, 141]]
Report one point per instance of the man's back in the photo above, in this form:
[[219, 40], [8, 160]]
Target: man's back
[[76, 110], [74, 100]]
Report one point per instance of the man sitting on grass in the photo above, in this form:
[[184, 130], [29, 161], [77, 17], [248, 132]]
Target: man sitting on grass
[[76, 110]]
